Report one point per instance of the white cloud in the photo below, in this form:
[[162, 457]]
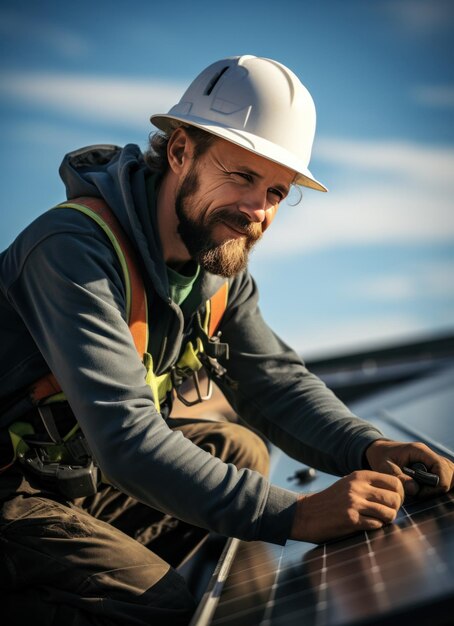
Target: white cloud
[[60, 137], [375, 331], [410, 200], [434, 280], [439, 279], [366, 215], [420, 17], [440, 96], [124, 101], [417, 162], [391, 287]]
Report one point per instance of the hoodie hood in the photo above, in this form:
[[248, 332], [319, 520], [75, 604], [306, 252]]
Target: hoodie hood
[[118, 176]]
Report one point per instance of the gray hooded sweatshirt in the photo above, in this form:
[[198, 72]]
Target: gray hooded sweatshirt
[[62, 308]]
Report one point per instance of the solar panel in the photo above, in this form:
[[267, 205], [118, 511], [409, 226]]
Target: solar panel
[[422, 410], [401, 574], [362, 579]]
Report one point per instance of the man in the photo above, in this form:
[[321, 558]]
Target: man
[[192, 206]]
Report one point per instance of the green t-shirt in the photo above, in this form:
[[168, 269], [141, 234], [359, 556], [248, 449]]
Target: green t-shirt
[[180, 285]]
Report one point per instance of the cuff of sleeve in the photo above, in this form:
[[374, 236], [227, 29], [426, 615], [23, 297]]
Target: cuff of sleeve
[[358, 453], [277, 517]]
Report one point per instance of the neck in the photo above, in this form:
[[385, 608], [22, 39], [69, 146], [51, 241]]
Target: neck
[[174, 250]]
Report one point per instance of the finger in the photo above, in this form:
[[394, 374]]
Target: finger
[[384, 514], [414, 452], [386, 497], [435, 464], [370, 523], [390, 481], [409, 486], [444, 468], [451, 467]]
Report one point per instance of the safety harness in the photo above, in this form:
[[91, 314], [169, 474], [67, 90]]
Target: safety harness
[[62, 454]]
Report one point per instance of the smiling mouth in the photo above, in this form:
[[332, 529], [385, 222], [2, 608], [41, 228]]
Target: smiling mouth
[[234, 229]]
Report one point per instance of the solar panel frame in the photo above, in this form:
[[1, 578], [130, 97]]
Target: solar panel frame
[[402, 572], [400, 577]]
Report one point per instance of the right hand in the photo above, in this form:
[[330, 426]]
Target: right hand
[[363, 500]]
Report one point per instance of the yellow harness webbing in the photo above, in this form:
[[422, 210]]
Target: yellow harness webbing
[[47, 389]]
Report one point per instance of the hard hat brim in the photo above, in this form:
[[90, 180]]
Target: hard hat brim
[[248, 141]]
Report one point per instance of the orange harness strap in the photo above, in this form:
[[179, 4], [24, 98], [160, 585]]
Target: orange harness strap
[[48, 385], [44, 388], [218, 304], [138, 325], [138, 313]]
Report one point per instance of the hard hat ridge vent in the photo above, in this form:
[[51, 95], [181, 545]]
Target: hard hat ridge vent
[[211, 85]]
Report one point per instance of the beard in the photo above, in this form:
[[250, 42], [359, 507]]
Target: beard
[[196, 228]]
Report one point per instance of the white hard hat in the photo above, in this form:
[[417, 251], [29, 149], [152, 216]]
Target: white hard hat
[[256, 103]]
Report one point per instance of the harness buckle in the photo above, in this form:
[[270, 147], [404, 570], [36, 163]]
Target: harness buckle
[[216, 348], [180, 383], [72, 481], [67, 466]]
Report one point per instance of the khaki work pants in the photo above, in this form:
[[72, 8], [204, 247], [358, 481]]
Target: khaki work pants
[[106, 559]]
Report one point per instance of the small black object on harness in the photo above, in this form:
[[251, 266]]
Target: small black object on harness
[[74, 476]]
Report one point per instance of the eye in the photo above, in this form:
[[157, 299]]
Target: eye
[[243, 175], [276, 193]]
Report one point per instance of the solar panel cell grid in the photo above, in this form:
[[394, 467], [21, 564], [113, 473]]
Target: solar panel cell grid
[[401, 574], [367, 576]]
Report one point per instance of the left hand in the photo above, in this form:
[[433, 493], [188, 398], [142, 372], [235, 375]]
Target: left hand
[[388, 457]]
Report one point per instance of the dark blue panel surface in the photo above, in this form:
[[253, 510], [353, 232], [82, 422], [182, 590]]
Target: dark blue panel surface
[[401, 574]]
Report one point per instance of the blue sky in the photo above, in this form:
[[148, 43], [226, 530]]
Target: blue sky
[[370, 262]]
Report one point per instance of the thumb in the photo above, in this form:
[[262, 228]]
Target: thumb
[[411, 487]]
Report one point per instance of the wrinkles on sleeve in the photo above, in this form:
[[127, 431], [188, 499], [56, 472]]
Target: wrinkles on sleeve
[[71, 298], [275, 393]]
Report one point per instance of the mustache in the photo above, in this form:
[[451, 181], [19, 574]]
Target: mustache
[[251, 230]]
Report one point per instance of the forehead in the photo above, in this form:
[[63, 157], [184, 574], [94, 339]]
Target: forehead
[[234, 156]]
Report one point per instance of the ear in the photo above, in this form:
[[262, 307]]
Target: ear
[[177, 149]]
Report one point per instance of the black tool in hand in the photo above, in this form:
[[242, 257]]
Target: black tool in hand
[[418, 471]]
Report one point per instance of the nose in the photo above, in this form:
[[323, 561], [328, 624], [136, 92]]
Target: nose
[[254, 206]]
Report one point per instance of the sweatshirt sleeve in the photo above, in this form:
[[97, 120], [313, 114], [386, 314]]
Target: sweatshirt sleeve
[[68, 290], [276, 394]]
